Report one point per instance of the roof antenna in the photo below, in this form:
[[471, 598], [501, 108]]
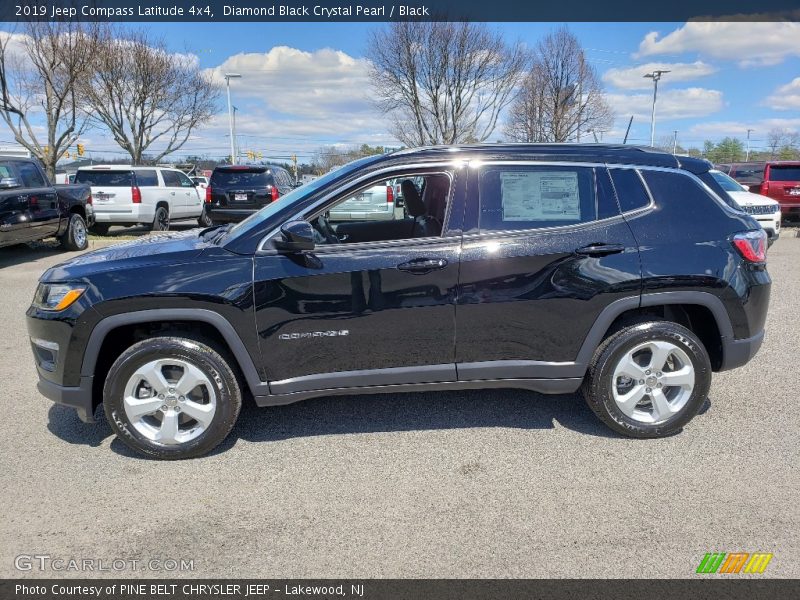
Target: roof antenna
[[628, 130]]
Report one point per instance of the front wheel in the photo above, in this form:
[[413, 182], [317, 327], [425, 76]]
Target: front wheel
[[648, 380], [171, 397], [75, 237]]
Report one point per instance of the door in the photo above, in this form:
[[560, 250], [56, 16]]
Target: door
[[351, 314], [43, 210], [176, 194], [545, 251], [14, 221], [193, 206]]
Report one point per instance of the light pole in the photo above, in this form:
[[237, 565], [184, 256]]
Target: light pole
[[228, 77], [235, 138], [655, 76], [747, 157], [674, 141]]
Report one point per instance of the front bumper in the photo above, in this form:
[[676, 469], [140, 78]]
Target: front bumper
[[79, 398]]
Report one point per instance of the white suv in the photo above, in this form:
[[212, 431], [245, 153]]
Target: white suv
[[764, 210], [127, 195]]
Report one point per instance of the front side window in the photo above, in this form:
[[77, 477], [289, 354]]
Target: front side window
[[184, 179], [369, 213], [532, 197]]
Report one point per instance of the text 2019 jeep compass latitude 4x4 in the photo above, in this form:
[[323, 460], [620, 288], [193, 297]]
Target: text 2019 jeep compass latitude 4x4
[[626, 272]]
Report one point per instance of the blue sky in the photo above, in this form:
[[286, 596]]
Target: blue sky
[[305, 84]]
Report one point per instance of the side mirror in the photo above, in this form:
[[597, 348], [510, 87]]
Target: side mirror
[[7, 183], [298, 236]]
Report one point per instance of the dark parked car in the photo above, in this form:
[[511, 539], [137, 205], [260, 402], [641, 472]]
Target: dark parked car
[[32, 209], [625, 272], [237, 191]]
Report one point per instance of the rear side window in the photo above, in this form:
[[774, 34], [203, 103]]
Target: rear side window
[[530, 197], [242, 179], [146, 178], [631, 194], [105, 178], [784, 172], [31, 176]]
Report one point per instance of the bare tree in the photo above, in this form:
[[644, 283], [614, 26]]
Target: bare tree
[[40, 72], [148, 96], [443, 83], [782, 143], [561, 98], [331, 157]]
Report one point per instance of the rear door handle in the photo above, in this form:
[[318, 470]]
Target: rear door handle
[[420, 266], [600, 249]]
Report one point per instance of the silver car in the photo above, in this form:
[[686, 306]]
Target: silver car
[[372, 204]]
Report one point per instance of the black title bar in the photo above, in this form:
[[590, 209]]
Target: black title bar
[[377, 10]]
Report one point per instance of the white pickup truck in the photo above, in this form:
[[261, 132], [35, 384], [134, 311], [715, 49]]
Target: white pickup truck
[[128, 195]]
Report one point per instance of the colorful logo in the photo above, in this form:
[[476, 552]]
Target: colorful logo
[[735, 562]]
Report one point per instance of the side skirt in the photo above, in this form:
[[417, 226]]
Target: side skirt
[[542, 386]]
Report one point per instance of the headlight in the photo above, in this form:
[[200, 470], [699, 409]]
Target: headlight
[[57, 296]]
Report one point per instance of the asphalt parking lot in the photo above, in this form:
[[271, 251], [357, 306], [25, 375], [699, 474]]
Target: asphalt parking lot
[[488, 483]]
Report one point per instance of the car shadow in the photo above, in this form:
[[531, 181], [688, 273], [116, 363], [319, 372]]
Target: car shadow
[[22, 253], [376, 413]]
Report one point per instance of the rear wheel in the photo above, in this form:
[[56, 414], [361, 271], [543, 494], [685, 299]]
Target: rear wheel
[[171, 397], [75, 237], [161, 219], [648, 380], [204, 220]]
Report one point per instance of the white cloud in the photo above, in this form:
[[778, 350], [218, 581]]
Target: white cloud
[[672, 104], [749, 44], [632, 78], [759, 127], [786, 97]]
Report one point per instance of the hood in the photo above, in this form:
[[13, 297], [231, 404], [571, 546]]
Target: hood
[[169, 248], [749, 199]]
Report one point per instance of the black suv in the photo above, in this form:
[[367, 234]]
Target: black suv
[[625, 272], [235, 192]]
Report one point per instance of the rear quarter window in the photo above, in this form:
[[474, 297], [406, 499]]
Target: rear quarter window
[[631, 193], [105, 178], [146, 178]]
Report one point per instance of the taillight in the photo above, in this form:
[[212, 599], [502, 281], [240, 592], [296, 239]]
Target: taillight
[[275, 193], [89, 199], [752, 245], [136, 195], [208, 195], [764, 189], [389, 194]]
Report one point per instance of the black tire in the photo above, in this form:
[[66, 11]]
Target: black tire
[[101, 228], [161, 219], [75, 237], [597, 386], [199, 354], [204, 220]]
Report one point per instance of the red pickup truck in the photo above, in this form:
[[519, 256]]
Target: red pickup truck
[[779, 180]]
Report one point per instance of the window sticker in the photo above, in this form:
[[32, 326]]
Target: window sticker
[[540, 196]]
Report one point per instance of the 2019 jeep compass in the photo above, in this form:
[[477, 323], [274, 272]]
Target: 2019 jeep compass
[[625, 272]]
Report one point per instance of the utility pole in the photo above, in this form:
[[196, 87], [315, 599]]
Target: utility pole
[[747, 156], [235, 139], [228, 77], [675, 141], [655, 76], [294, 162]]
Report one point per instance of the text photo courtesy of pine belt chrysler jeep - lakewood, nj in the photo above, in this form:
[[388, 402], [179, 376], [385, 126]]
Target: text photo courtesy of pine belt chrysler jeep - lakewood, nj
[[627, 273]]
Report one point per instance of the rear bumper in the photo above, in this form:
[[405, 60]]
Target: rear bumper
[[125, 213], [228, 215], [79, 398], [736, 353]]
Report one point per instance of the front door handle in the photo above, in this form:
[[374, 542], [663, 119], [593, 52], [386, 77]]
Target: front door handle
[[420, 266], [600, 249]]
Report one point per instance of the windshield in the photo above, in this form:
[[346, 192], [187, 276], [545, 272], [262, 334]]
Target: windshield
[[726, 183], [294, 197]]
